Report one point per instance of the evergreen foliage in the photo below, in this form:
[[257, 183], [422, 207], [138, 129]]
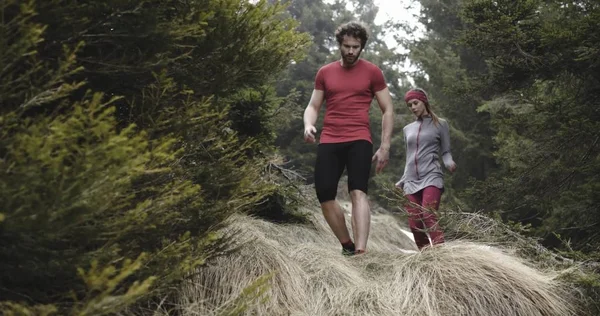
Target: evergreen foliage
[[131, 131], [123, 151], [544, 114], [519, 79]]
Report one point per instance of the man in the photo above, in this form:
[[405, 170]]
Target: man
[[348, 87]]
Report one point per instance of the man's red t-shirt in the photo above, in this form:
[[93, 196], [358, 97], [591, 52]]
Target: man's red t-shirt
[[348, 96]]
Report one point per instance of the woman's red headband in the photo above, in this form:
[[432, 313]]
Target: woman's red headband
[[415, 94]]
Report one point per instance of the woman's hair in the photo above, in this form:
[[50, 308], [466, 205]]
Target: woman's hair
[[434, 117], [354, 29]]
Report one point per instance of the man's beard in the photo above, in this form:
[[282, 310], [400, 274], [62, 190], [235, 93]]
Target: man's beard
[[350, 59]]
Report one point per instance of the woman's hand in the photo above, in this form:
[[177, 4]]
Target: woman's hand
[[399, 186], [452, 167]]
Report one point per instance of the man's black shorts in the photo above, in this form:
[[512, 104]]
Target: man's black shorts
[[332, 158]]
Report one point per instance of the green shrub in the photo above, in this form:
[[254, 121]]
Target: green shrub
[[118, 170]]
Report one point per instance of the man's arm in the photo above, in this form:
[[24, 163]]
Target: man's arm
[[311, 113], [384, 99]]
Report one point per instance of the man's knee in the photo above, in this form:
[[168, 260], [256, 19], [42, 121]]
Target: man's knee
[[326, 194], [358, 186], [357, 195]]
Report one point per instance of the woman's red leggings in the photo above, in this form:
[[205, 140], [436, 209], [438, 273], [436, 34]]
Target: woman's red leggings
[[421, 220]]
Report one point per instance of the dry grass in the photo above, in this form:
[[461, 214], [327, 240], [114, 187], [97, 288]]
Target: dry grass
[[311, 277]]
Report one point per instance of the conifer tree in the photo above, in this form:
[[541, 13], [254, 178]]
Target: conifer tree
[[121, 155]]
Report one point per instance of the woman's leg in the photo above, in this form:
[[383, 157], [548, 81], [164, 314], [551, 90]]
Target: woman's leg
[[431, 201], [415, 221]]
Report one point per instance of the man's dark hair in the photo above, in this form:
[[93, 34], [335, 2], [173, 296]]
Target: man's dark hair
[[354, 29]]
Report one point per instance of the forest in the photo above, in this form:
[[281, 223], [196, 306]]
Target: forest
[[133, 134]]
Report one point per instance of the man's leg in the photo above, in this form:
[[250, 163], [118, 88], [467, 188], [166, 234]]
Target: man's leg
[[360, 154], [361, 218], [415, 221], [329, 167], [335, 218], [431, 201]]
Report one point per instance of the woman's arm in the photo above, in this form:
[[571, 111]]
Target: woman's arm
[[445, 146], [398, 185]]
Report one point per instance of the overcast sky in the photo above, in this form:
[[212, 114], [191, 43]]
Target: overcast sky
[[400, 11]]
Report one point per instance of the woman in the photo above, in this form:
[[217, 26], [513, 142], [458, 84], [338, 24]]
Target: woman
[[422, 182]]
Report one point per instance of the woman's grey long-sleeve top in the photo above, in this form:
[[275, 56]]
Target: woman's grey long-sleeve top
[[425, 141]]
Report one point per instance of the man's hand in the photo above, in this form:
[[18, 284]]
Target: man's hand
[[382, 156], [309, 134]]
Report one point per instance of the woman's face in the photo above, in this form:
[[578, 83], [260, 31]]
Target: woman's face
[[417, 107]]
